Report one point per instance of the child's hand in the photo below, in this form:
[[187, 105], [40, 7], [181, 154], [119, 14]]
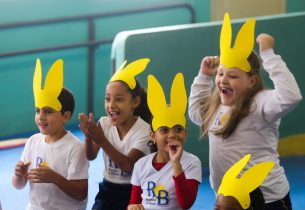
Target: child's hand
[[209, 65], [265, 42], [135, 207], [95, 131], [83, 120], [42, 174], [21, 169], [175, 150]]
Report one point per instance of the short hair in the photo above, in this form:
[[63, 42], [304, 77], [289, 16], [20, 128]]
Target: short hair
[[67, 101]]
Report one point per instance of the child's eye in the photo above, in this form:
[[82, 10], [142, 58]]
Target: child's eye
[[107, 99], [120, 99], [49, 111], [179, 128], [233, 76], [37, 110], [164, 130]]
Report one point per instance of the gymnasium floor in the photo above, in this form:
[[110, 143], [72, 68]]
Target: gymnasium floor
[[12, 199]]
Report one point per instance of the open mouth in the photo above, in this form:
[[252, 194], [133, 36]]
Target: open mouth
[[114, 115], [226, 91]]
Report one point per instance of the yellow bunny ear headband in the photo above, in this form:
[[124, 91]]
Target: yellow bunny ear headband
[[48, 95], [243, 46], [127, 74], [163, 114], [240, 187]]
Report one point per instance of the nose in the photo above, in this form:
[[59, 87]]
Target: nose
[[40, 115], [111, 103], [171, 133], [224, 79]]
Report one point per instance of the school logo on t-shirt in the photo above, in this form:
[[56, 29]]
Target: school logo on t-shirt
[[113, 169], [41, 162], [157, 195], [222, 119]]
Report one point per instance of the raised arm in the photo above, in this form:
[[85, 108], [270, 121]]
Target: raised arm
[[202, 87], [286, 93]]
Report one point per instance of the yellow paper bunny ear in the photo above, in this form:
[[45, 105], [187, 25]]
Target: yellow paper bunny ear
[[128, 73], [240, 188], [163, 114], [236, 56], [48, 96]]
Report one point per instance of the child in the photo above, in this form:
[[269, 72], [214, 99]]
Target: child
[[53, 160], [123, 135], [169, 178], [235, 191], [241, 117]]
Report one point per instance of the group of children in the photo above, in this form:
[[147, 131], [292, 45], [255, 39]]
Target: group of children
[[142, 137]]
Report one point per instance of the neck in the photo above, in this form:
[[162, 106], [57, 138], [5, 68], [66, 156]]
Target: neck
[[161, 157], [56, 137], [125, 127]]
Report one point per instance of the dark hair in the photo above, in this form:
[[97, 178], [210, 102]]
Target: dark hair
[[142, 110], [152, 146], [67, 101], [241, 107], [257, 199]]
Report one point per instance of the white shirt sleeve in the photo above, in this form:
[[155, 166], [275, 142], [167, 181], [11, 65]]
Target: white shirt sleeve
[[200, 90], [78, 168], [286, 93]]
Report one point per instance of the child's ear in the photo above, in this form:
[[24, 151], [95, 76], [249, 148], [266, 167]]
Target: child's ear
[[152, 135], [67, 116], [253, 81], [136, 101]]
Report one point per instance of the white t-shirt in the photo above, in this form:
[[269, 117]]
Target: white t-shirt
[[257, 134], [136, 138], [66, 157], [158, 186]]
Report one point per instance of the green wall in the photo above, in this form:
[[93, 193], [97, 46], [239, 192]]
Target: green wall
[[16, 73], [181, 49], [295, 6]]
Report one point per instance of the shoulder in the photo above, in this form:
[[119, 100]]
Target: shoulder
[[71, 140], [35, 139], [145, 160], [190, 158], [261, 97], [140, 123], [141, 129]]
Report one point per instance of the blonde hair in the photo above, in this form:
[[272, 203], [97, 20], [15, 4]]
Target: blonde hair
[[239, 110]]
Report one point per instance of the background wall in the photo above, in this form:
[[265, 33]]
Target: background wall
[[246, 8], [16, 73]]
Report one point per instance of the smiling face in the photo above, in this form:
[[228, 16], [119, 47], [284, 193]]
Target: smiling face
[[51, 123], [232, 83], [164, 135], [120, 104]]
